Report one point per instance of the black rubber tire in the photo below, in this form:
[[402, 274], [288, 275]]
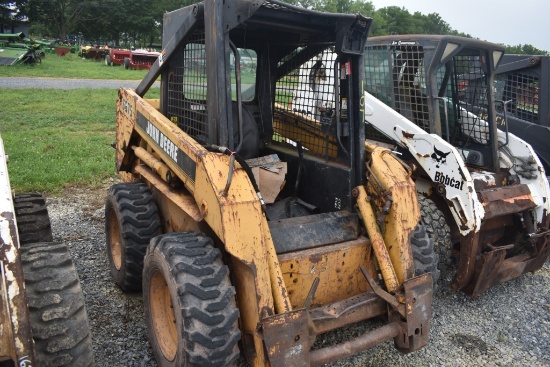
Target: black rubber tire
[[108, 61], [131, 221], [437, 227], [185, 280], [426, 259], [57, 307], [126, 63], [33, 221]]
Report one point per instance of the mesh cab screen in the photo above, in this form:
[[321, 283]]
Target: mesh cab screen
[[187, 86], [523, 92], [305, 102]]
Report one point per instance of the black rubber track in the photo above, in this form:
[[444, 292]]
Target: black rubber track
[[425, 257], [138, 221], [57, 306], [33, 222], [206, 311]]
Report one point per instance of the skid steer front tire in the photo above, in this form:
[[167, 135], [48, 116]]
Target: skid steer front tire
[[425, 258], [56, 306], [437, 228], [33, 222], [190, 308], [131, 220]]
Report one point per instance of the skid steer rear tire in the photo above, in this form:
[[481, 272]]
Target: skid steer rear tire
[[56, 305], [189, 302], [33, 222], [425, 257], [131, 220]]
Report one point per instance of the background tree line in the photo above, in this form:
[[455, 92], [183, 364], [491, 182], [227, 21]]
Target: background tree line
[[140, 21]]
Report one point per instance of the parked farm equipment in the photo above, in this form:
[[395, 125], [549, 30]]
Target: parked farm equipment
[[16, 49]]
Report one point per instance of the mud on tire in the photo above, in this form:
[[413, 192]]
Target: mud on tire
[[190, 307], [33, 222], [56, 305], [131, 220]]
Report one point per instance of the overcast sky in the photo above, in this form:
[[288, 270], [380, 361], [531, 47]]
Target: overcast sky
[[510, 22]]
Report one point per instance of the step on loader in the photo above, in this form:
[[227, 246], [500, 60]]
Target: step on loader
[[252, 228], [421, 97]]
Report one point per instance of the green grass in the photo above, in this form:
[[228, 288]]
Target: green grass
[[71, 66], [58, 137]]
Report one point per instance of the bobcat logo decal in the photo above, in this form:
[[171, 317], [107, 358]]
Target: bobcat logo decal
[[439, 157]]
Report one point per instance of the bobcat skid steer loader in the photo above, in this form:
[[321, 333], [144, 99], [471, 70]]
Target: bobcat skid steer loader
[[488, 184]]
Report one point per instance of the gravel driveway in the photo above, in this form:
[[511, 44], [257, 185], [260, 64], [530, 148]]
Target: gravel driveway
[[507, 326], [65, 83]]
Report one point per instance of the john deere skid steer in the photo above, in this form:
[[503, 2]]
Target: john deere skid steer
[[421, 97], [251, 227]]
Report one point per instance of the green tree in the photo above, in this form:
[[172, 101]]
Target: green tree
[[10, 15], [60, 16], [525, 49]]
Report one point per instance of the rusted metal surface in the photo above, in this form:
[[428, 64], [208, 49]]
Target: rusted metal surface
[[337, 267], [506, 200], [483, 265], [62, 51], [15, 335], [363, 306], [286, 338], [320, 357], [466, 262], [494, 268], [394, 193], [382, 254], [418, 305], [184, 202]]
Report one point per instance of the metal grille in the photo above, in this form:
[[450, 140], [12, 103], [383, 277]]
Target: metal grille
[[396, 77], [523, 91], [470, 86], [187, 87], [305, 103]]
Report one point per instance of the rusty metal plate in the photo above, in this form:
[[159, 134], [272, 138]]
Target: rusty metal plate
[[418, 305], [286, 337], [506, 200]]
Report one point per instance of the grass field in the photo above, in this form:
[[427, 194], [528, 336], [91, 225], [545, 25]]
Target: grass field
[[58, 137]]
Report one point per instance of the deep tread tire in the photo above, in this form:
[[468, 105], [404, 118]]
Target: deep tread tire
[[56, 305], [126, 63], [425, 257], [437, 228], [198, 298], [33, 222], [131, 221]]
